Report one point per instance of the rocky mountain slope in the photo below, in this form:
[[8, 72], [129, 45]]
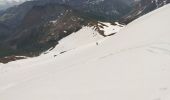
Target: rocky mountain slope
[[35, 26], [35, 29], [106, 10], [143, 7]]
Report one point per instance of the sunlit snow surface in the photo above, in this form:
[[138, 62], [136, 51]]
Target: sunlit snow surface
[[133, 64]]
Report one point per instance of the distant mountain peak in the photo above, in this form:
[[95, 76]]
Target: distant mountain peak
[[4, 4]]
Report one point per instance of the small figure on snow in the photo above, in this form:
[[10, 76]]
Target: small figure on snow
[[97, 43]]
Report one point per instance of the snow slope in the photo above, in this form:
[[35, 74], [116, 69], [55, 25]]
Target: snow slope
[[85, 36], [134, 64]]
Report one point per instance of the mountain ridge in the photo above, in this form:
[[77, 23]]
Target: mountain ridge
[[28, 29]]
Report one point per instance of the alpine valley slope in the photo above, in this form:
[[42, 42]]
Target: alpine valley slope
[[134, 64]]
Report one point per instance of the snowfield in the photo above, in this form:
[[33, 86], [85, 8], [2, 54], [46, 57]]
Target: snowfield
[[133, 64]]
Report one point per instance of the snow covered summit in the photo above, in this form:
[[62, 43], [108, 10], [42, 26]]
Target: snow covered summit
[[134, 64]]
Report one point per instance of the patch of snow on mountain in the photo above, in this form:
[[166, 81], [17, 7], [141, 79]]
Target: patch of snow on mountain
[[94, 1], [83, 37]]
